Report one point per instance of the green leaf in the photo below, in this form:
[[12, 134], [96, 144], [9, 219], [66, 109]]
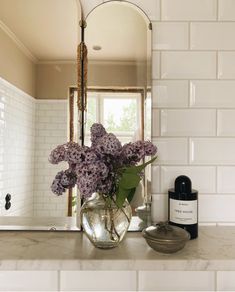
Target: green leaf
[[129, 181], [121, 196], [139, 168], [131, 195]]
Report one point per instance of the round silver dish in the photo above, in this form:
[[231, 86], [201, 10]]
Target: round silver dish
[[166, 238]]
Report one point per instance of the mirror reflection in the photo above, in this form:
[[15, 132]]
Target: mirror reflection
[[38, 44], [118, 38]]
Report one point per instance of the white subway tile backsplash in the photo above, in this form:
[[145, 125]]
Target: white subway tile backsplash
[[225, 281], [170, 36], [155, 179], [226, 10], [155, 65], [188, 122], [170, 93], [213, 94], [226, 65], [176, 281], [188, 65], [216, 208], [226, 179], [189, 10], [155, 123], [159, 208], [197, 175], [226, 122], [28, 281], [212, 36], [101, 281], [172, 150], [214, 151]]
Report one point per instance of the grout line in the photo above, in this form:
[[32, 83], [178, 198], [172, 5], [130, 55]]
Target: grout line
[[137, 280]]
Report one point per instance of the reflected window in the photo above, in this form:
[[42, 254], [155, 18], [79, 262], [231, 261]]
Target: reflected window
[[120, 111]]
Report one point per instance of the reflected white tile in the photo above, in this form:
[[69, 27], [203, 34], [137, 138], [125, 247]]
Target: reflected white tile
[[170, 36], [188, 65], [212, 36], [226, 179], [188, 122], [170, 93], [197, 175], [176, 281], [172, 150], [212, 151], [214, 94], [225, 280]]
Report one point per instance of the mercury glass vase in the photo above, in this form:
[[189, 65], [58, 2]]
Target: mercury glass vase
[[103, 222]]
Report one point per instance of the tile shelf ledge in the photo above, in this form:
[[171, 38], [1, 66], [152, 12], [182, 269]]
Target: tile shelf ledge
[[212, 251]]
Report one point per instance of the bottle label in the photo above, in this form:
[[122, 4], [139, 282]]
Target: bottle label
[[183, 212]]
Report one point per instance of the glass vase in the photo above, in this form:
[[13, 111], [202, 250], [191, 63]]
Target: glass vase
[[103, 222]]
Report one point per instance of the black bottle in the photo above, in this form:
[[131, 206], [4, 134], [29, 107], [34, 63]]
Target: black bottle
[[183, 206]]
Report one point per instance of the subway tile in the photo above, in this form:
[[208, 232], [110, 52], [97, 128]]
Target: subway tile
[[155, 65], [155, 179], [155, 123], [159, 208], [225, 179], [101, 281], [170, 36], [197, 175], [28, 281], [170, 93], [188, 65], [172, 150], [226, 10], [212, 151], [188, 122], [225, 280], [226, 122], [216, 208], [189, 10], [226, 65], [176, 281], [213, 94], [212, 36]]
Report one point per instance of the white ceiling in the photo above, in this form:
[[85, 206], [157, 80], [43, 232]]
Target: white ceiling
[[120, 29], [47, 28]]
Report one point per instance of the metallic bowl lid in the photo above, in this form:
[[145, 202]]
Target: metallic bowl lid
[[163, 232]]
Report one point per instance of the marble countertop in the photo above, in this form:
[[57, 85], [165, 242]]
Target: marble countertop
[[19, 250]]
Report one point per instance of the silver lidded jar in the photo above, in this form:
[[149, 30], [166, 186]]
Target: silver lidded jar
[[166, 238]]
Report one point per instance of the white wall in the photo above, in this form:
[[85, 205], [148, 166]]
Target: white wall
[[193, 66], [17, 140]]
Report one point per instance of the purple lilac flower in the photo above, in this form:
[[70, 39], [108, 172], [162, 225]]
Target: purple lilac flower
[[149, 148], [133, 152], [97, 131], [87, 186], [58, 154], [68, 179], [108, 144], [57, 187]]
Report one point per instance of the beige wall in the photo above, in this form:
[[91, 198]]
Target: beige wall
[[15, 67], [54, 80]]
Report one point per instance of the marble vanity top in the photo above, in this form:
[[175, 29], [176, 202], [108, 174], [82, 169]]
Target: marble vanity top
[[213, 250]]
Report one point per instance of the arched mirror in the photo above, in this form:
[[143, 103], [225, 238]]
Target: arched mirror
[[38, 57], [118, 40]]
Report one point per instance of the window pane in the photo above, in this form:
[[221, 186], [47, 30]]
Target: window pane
[[120, 115]]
